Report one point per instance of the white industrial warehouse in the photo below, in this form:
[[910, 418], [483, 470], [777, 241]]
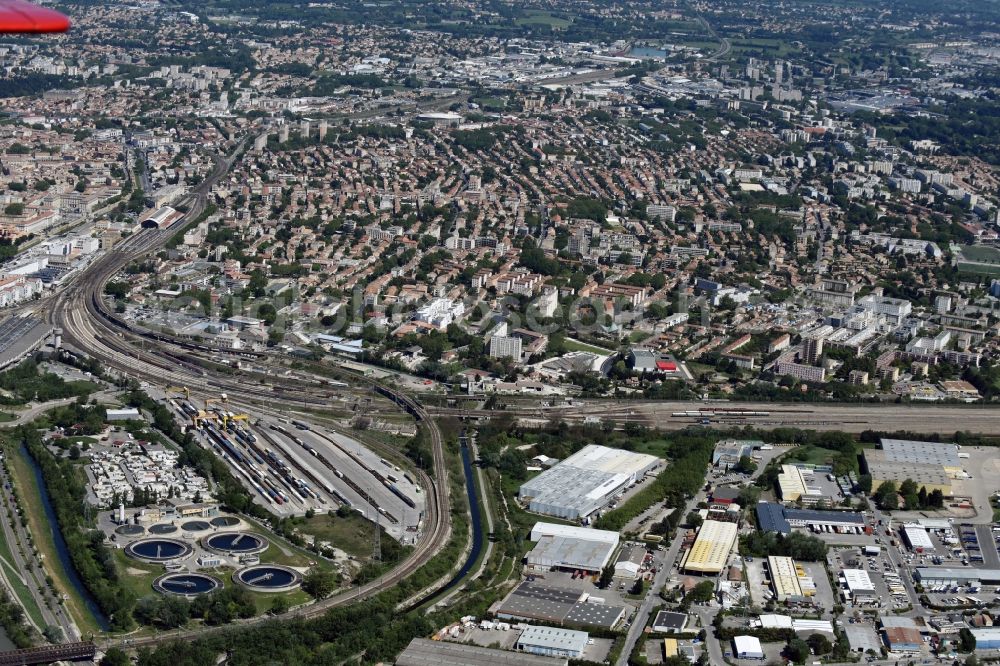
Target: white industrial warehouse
[[552, 642], [570, 547], [585, 482]]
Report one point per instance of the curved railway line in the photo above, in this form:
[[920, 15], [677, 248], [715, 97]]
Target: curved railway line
[[83, 316], [90, 327]]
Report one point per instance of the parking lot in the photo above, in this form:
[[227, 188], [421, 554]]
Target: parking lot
[[890, 590], [984, 469], [614, 595], [761, 591]]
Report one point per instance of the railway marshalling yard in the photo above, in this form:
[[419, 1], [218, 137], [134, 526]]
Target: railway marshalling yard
[[846, 417], [293, 466]]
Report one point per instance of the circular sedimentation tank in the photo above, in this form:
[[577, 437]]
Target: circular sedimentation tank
[[130, 530], [186, 584], [196, 526], [163, 528], [225, 521], [268, 578], [235, 543], [158, 550]]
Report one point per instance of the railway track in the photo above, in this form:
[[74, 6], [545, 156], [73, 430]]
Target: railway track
[[90, 327]]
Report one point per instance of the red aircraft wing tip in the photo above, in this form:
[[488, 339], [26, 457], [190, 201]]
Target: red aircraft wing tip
[[18, 16]]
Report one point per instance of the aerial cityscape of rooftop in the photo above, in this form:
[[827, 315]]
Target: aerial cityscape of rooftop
[[500, 333]]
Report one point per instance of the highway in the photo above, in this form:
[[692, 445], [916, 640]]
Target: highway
[[89, 327], [724, 44]]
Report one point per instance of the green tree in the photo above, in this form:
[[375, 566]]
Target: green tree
[[607, 577], [819, 644], [797, 651], [115, 657], [966, 641], [279, 606], [319, 583], [701, 593], [746, 465], [886, 495]]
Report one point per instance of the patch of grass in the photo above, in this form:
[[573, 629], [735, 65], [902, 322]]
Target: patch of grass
[[264, 600], [7, 418], [812, 455], [22, 591], [280, 551], [352, 534], [275, 555], [491, 103], [655, 447], [772, 46], [42, 533], [981, 253], [700, 369], [544, 18], [130, 578], [576, 345]]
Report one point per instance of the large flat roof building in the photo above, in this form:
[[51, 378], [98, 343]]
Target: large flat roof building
[[793, 485], [552, 642], [711, 548], [932, 465], [987, 638], [729, 451], [747, 647], [917, 538], [586, 481], [862, 637], [929, 476], [901, 634], [670, 622], [859, 586], [556, 605], [927, 453], [424, 652], [543, 529], [772, 517], [951, 576], [784, 578], [570, 547]]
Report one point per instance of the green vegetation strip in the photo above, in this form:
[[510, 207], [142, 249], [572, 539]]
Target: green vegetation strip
[[42, 534], [13, 577]]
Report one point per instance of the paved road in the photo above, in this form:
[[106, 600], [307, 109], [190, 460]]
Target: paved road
[[988, 547], [31, 572], [653, 594], [724, 45], [32, 412]]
